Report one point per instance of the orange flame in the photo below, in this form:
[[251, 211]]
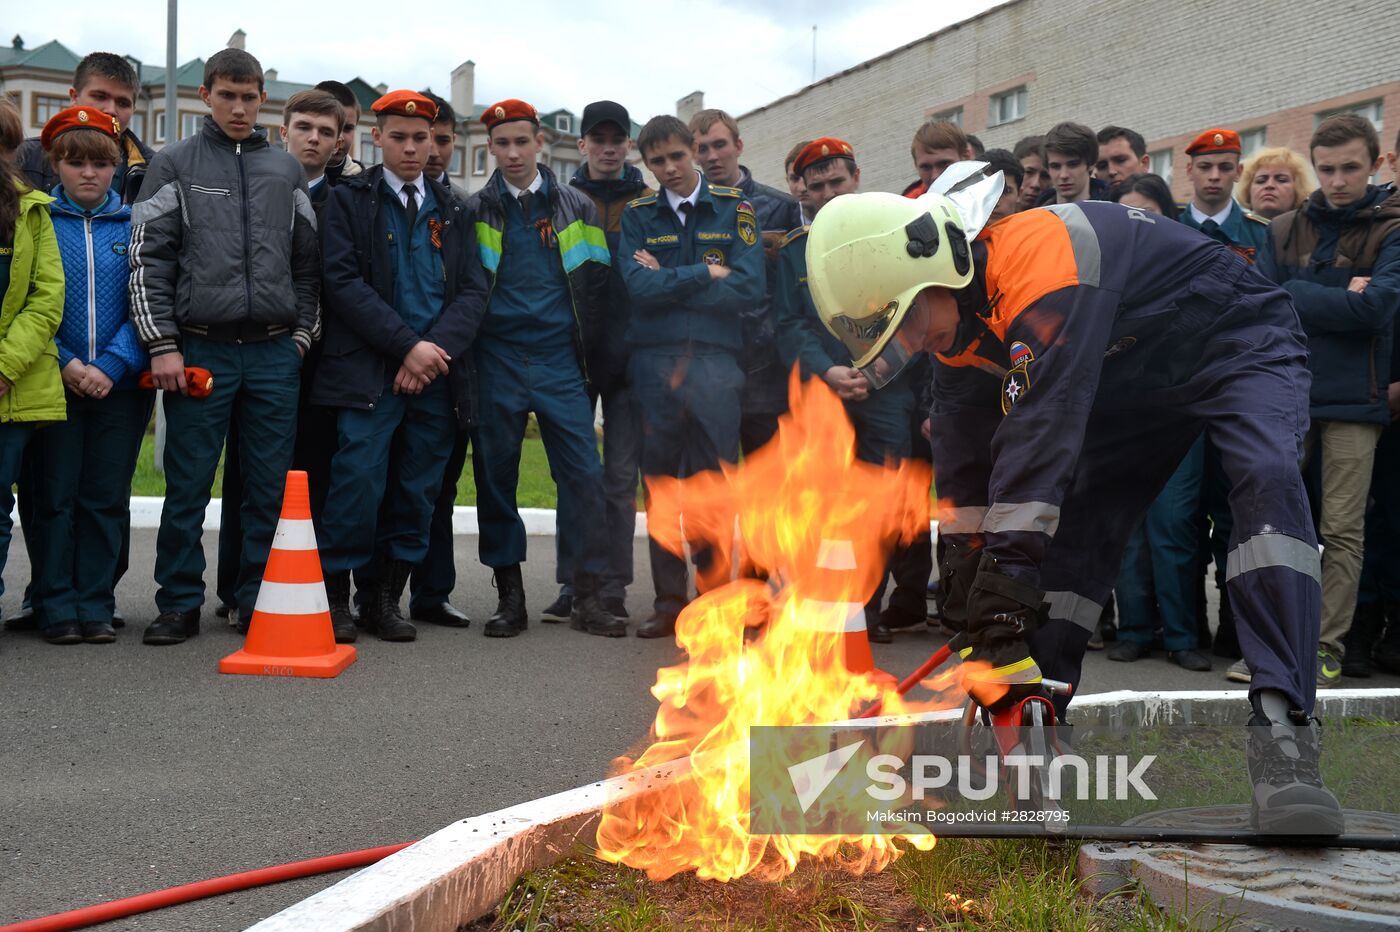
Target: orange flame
[[821, 526]]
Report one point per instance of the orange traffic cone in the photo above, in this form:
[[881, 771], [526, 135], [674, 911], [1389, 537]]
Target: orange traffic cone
[[290, 634], [826, 588]]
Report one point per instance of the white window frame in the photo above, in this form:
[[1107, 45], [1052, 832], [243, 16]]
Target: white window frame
[[1159, 163], [1252, 140], [370, 154], [459, 159], [190, 123], [1370, 109], [954, 116], [479, 161], [564, 123], [998, 113]]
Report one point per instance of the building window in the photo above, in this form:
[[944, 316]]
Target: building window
[[137, 124], [1159, 163], [478, 160], [459, 158], [190, 124], [160, 126], [369, 152], [274, 138], [1370, 109], [1251, 141], [954, 116], [564, 123], [45, 106], [565, 169], [1007, 107]]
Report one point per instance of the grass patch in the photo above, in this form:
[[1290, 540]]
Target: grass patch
[[963, 883]]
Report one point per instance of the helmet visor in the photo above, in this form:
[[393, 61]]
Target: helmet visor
[[907, 343]]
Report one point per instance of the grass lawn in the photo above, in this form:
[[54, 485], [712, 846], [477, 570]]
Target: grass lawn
[[963, 883], [536, 488]]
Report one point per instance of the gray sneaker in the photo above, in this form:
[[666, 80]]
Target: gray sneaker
[[1329, 668], [1289, 795], [1239, 672]]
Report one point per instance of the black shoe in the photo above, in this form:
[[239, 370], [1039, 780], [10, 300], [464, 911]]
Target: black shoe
[[338, 598], [657, 626], [117, 620], [98, 632], [590, 616], [1126, 651], [1365, 631], [223, 610], [24, 621], [1387, 653], [510, 617], [896, 618], [444, 614], [615, 606], [239, 620], [561, 609], [1193, 660], [172, 628], [1289, 795], [389, 623], [65, 632], [879, 634]]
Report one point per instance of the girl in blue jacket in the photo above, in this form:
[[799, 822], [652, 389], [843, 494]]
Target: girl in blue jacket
[[82, 506]]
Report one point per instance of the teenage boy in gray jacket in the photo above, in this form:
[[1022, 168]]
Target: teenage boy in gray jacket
[[225, 276]]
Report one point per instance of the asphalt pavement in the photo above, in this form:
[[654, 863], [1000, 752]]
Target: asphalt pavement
[[125, 768]]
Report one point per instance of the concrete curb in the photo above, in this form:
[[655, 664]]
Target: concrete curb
[[461, 872]]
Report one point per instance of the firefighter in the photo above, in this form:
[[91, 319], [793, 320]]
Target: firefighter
[[1119, 337]]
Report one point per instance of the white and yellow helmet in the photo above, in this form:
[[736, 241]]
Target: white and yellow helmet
[[869, 256]]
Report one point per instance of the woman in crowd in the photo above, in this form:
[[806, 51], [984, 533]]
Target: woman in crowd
[[1274, 181], [87, 462], [31, 282], [1157, 583]]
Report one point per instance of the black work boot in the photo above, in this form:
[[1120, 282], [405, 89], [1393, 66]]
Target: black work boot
[[1289, 796], [588, 613], [1387, 652], [510, 617], [389, 622], [1366, 625], [338, 597]]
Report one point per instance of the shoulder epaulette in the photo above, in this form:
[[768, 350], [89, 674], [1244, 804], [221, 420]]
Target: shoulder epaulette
[[643, 201], [720, 190], [793, 235], [1251, 215]]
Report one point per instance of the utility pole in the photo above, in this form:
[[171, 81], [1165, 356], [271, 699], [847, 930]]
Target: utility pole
[[171, 123], [814, 51]]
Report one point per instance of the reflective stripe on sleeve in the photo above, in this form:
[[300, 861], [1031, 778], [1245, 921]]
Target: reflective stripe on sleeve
[[1265, 550], [1032, 517]]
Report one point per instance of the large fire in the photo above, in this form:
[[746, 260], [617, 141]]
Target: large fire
[[820, 525]]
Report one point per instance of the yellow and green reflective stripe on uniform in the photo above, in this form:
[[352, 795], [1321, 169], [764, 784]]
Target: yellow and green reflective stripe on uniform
[[579, 242], [1022, 671]]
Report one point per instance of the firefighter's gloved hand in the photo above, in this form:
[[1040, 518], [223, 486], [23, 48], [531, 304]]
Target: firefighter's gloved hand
[[1000, 670]]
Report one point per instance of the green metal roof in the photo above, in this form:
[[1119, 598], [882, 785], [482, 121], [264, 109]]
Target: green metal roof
[[53, 55]]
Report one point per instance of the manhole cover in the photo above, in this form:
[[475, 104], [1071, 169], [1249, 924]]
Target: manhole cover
[[1267, 888]]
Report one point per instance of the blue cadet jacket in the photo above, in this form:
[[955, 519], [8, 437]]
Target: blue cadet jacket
[[680, 305], [96, 328], [1244, 231], [1320, 249], [801, 336], [582, 249], [778, 212], [364, 333]]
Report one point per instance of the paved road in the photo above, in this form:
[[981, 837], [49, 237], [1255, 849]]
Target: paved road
[[126, 768]]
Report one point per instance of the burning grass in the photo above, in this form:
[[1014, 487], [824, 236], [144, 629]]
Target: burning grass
[[962, 883]]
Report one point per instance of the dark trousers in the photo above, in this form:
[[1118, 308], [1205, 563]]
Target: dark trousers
[[435, 576], [622, 450], [386, 477], [690, 412], [513, 381], [763, 400], [257, 384], [83, 506], [1161, 563], [1380, 568]]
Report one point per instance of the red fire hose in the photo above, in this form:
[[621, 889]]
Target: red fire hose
[[187, 893]]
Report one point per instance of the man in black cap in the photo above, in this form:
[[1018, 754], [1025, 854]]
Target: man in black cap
[[610, 182]]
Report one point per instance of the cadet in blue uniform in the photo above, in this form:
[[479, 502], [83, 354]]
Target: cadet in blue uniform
[[693, 265], [1213, 165], [881, 419], [404, 298], [1123, 336], [547, 261]]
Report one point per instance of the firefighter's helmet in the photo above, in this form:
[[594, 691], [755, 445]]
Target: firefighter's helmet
[[869, 256]]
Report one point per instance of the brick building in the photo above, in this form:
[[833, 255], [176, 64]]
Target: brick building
[[1168, 70]]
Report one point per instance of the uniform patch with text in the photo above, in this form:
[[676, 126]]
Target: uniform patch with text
[[1017, 383], [747, 223]]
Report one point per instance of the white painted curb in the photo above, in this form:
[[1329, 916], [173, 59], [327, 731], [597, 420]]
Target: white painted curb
[[461, 872]]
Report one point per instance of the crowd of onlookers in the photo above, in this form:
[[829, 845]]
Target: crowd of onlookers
[[376, 327]]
